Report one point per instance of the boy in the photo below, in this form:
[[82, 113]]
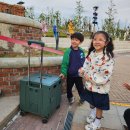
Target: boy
[[73, 59], [127, 111]]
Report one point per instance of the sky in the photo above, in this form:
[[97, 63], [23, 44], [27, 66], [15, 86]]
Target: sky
[[67, 8]]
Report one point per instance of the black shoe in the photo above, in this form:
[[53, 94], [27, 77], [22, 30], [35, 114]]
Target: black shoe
[[125, 127], [81, 101], [71, 100]]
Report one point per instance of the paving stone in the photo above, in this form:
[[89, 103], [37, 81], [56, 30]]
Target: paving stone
[[111, 121]]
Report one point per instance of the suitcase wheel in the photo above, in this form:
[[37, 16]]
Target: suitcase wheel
[[22, 113], [58, 107], [44, 120]]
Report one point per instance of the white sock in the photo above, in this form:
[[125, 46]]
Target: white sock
[[97, 121], [93, 112]]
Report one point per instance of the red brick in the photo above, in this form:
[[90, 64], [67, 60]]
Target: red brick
[[14, 82], [18, 70], [23, 73], [11, 87], [7, 70], [12, 9], [15, 30], [19, 34], [7, 91], [6, 79], [4, 82], [14, 74], [1, 79], [15, 91], [3, 74]]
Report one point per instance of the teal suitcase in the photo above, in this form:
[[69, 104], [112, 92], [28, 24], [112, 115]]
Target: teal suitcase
[[40, 94]]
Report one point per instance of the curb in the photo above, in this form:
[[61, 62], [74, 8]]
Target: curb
[[5, 121], [120, 104]]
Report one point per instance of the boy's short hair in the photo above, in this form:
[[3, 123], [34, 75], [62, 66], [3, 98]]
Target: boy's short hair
[[78, 35]]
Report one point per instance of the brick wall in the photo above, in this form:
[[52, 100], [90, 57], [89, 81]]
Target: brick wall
[[10, 77], [25, 33], [12, 9], [19, 32]]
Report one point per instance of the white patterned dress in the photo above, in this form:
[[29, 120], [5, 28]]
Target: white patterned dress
[[99, 69]]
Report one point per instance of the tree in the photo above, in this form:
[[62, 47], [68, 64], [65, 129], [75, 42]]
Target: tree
[[29, 12], [85, 25], [51, 18], [118, 30], [42, 17], [109, 24], [79, 11], [58, 18]]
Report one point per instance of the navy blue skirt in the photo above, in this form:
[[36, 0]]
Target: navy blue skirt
[[100, 101]]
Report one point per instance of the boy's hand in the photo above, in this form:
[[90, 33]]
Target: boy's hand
[[126, 85], [81, 72], [61, 76]]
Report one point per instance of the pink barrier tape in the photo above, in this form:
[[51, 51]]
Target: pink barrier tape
[[24, 43]]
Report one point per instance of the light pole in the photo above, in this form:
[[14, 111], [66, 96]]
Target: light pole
[[95, 14], [57, 38], [57, 30]]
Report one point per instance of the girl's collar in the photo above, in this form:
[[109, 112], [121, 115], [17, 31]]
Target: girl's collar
[[99, 53]]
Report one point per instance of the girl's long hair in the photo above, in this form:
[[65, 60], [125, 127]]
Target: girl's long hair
[[108, 49]]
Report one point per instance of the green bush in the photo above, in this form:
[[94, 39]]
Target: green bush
[[50, 34]]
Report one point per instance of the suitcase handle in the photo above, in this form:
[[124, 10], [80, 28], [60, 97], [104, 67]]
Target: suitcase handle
[[36, 42], [41, 64]]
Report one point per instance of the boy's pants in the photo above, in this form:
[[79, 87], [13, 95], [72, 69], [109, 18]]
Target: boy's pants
[[127, 117], [78, 83]]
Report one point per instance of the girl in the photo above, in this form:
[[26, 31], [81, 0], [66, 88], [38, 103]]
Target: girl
[[97, 70]]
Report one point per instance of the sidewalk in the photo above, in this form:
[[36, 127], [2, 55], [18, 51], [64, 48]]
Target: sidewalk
[[29, 121], [113, 119]]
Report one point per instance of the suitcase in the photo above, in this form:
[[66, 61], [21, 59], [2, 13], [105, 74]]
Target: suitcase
[[40, 94]]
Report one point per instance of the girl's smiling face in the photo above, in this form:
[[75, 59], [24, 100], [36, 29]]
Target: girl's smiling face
[[99, 42]]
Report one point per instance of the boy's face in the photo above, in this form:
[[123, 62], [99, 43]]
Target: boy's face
[[75, 43]]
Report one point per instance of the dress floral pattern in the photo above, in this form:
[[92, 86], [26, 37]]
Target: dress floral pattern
[[99, 69]]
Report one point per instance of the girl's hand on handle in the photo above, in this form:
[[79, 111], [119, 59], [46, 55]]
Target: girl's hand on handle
[[126, 85], [61, 76]]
